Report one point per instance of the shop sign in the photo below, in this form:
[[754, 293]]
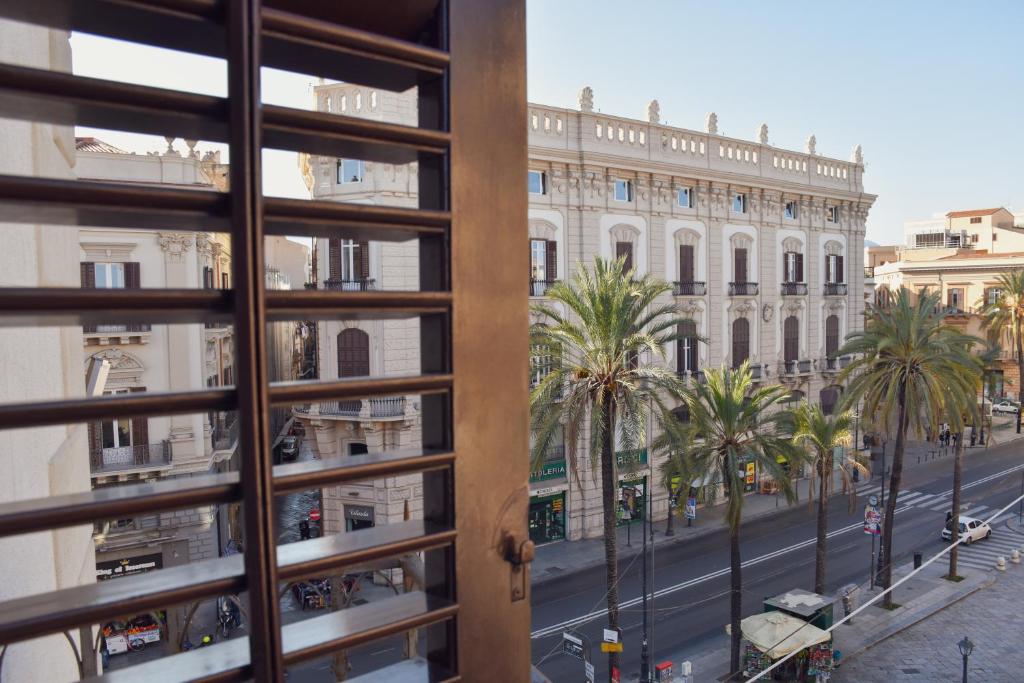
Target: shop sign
[[551, 470], [572, 646], [628, 459], [363, 513], [128, 566], [549, 491], [750, 473], [872, 520]]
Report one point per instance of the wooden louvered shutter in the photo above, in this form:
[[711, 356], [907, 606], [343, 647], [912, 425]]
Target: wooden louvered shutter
[[132, 276], [686, 269], [791, 338], [96, 444], [740, 265], [799, 267], [625, 249], [364, 260], [88, 272], [831, 336], [140, 433], [334, 259], [840, 275], [551, 260], [828, 268], [740, 341]]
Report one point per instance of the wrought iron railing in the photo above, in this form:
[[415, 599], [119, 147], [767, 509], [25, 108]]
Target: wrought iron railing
[[121, 458], [689, 288], [794, 288], [358, 285], [742, 289], [540, 287], [835, 289]]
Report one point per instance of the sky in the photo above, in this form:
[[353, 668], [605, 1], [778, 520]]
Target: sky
[[932, 90]]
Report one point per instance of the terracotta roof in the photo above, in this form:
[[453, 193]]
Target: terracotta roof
[[96, 145], [973, 212]]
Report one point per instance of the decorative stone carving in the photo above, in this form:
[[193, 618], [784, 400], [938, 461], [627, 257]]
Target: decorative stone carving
[[587, 99], [762, 134], [192, 153], [203, 244], [175, 245], [170, 151], [857, 156], [812, 145], [654, 112], [767, 312], [711, 125]]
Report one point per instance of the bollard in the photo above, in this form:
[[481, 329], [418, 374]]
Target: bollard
[[918, 556], [1015, 556], [1001, 564]]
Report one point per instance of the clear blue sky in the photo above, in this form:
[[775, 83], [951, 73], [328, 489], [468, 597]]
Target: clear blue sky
[[933, 90]]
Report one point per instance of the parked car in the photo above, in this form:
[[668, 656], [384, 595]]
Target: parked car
[[971, 530], [1006, 405], [289, 448]]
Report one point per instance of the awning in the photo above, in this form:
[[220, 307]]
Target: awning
[[777, 634]]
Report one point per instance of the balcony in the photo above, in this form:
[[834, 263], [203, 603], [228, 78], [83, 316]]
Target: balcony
[[835, 289], [836, 364], [389, 408], [358, 285], [742, 289], [796, 368], [540, 287], [696, 376], [124, 460], [130, 333], [794, 289], [689, 289], [224, 434]]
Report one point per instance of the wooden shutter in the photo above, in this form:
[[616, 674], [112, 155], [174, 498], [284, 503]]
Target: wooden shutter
[[334, 258], [840, 275], [740, 265], [140, 431], [625, 249], [132, 276], [353, 353], [96, 444], [88, 274], [551, 260], [363, 259], [740, 341], [791, 337], [831, 336], [686, 346], [686, 263], [799, 267]]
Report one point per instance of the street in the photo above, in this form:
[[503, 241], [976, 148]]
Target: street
[[691, 580]]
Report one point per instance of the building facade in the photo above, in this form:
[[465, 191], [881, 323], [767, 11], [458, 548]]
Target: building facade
[[764, 248], [961, 257]]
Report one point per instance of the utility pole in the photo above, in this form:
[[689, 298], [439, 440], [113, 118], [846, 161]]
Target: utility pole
[[881, 508], [645, 664]]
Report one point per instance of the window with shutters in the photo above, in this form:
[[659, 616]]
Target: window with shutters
[[739, 268], [110, 275], [955, 299], [794, 266], [831, 336], [740, 341], [829, 398], [687, 264], [543, 265], [624, 250], [975, 220], [686, 347], [834, 269], [791, 339], [349, 265], [992, 295]]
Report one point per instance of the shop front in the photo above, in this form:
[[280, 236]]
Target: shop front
[[358, 517], [632, 500], [547, 516]]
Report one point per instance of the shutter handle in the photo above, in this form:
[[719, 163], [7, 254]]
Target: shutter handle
[[518, 552]]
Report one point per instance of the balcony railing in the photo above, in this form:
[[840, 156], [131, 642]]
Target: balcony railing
[[742, 289], [792, 368], [794, 288], [835, 289], [224, 434], [540, 287], [358, 285], [691, 375], [391, 406], [690, 289], [117, 329], [121, 458], [837, 363]]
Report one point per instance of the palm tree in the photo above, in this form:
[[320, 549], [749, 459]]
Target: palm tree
[[1006, 312], [612, 321], [905, 360], [822, 434], [732, 423]]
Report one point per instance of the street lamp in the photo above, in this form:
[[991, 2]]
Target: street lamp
[[966, 648]]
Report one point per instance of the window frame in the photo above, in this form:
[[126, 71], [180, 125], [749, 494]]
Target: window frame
[[741, 198], [680, 191], [342, 175], [543, 181], [627, 186], [832, 214], [789, 211]]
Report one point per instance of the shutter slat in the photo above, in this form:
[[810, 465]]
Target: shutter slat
[[799, 267], [334, 259], [740, 265], [840, 273], [686, 263], [551, 260], [364, 260]]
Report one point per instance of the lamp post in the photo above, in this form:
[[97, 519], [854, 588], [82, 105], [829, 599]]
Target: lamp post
[[981, 438], [966, 648]]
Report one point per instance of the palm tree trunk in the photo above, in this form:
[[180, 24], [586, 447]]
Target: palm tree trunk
[[1020, 373], [894, 489], [819, 556], [611, 550], [736, 597], [958, 467]]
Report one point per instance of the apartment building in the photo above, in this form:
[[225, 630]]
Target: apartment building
[[960, 256], [41, 364], [763, 246], [359, 348]]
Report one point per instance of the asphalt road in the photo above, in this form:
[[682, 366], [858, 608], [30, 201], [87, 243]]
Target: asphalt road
[[691, 579]]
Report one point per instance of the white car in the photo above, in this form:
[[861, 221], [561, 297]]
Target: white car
[[971, 530], [1006, 405]]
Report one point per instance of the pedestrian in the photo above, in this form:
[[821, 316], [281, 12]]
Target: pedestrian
[[304, 530], [973, 436]]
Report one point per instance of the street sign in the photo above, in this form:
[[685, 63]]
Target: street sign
[[314, 515], [615, 674], [589, 668], [872, 520], [611, 647], [691, 508], [572, 646], [611, 636]]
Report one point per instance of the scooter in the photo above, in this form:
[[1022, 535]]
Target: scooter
[[227, 615]]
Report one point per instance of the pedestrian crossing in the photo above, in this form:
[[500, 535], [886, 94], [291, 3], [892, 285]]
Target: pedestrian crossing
[[983, 554], [936, 502]]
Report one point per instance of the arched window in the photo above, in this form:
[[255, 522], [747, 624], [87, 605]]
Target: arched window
[[353, 353], [740, 341], [791, 339], [686, 347], [829, 397], [831, 336]]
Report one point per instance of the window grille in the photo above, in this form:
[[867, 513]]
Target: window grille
[[475, 502]]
